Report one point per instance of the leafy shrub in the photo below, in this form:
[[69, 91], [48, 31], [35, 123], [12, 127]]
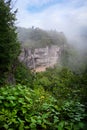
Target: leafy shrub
[[63, 84], [23, 108]]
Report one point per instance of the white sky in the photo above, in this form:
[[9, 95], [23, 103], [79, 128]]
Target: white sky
[[68, 16]]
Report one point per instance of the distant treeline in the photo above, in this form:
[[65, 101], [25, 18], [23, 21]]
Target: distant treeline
[[36, 37]]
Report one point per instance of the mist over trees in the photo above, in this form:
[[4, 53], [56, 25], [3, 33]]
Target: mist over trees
[[55, 99], [36, 37], [73, 53]]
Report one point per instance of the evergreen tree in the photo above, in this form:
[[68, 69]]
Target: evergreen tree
[[9, 45]]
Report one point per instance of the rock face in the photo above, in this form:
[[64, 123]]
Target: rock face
[[40, 58]]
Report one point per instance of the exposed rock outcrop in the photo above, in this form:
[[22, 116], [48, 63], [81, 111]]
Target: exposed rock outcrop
[[40, 58]]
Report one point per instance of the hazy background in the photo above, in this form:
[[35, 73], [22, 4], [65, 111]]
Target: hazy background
[[67, 16]]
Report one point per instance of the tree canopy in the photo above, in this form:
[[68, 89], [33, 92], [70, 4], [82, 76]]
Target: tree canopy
[[9, 45]]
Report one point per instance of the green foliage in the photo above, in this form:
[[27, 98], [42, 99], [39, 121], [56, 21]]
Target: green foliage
[[22, 108], [63, 83], [58, 81], [23, 75], [36, 37], [73, 58], [58, 100], [9, 45]]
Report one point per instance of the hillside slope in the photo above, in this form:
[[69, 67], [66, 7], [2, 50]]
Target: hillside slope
[[35, 37], [40, 49]]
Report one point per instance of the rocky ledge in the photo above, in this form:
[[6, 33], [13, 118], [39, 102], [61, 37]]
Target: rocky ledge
[[40, 58]]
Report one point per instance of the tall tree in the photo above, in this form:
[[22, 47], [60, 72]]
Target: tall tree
[[9, 45]]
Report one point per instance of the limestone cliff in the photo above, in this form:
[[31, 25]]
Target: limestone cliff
[[40, 58]]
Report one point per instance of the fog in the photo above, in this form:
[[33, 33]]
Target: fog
[[68, 16]]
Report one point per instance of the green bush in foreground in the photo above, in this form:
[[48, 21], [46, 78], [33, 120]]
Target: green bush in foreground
[[24, 109]]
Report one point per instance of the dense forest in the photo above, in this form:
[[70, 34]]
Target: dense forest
[[36, 37], [55, 99]]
